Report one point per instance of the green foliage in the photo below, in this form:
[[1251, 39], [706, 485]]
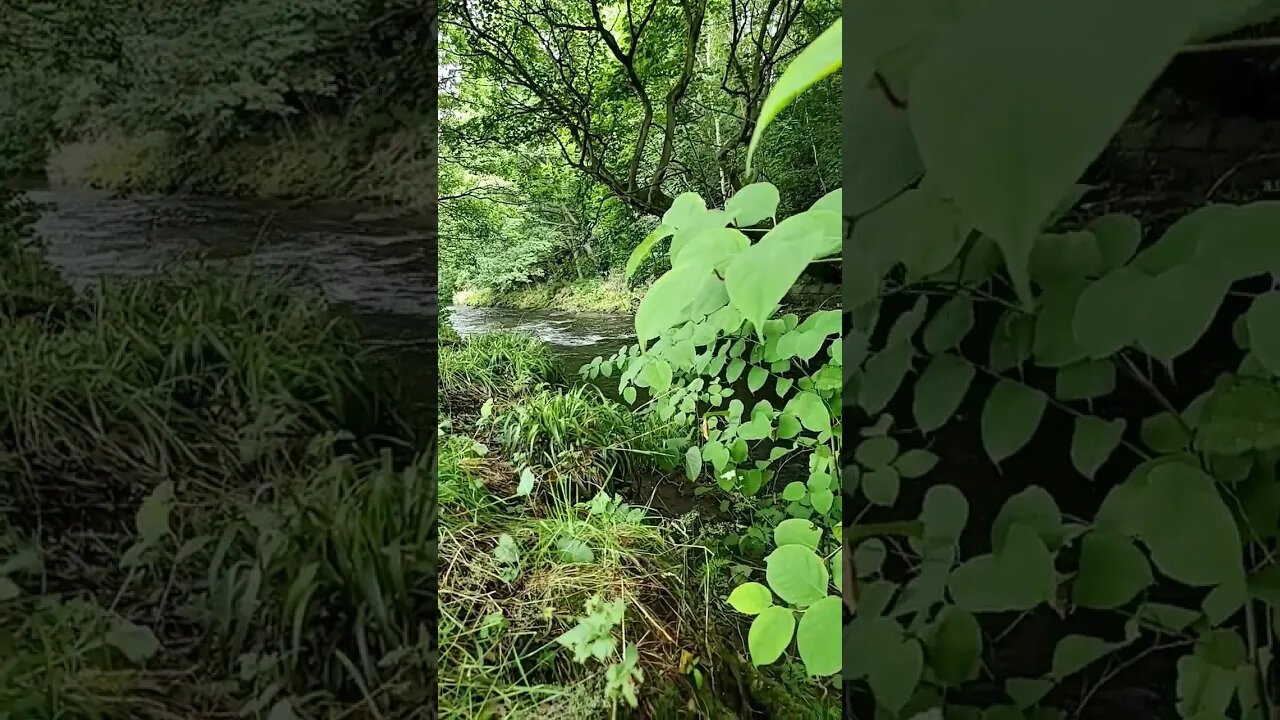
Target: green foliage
[[961, 194], [711, 320], [493, 365]]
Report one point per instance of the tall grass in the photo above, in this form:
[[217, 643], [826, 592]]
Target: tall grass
[[199, 371], [502, 364]]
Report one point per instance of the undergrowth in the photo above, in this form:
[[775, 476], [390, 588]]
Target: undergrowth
[[211, 505]]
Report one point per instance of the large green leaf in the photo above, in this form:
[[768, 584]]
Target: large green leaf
[[956, 647], [818, 637], [770, 634], [1192, 535], [1018, 577], [1099, 330], [759, 277], [1177, 308], [1112, 571], [752, 204], [884, 161], [751, 598], [1007, 145], [815, 62], [796, 574], [665, 304], [1264, 330]]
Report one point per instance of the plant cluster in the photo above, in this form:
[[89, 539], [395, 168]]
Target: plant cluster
[[972, 302], [708, 323]]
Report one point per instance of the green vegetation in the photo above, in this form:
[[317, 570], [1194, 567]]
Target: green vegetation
[[211, 506], [1091, 395], [546, 489], [568, 128], [279, 98]]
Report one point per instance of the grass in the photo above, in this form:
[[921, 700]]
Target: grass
[[493, 365], [601, 295], [211, 507], [536, 538], [500, 619]]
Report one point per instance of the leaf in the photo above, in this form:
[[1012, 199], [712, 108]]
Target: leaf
[[575, 551], [1099, 330], [811, 410], [1018, 577], [527, 480], [750, 598], [1164, 433], [797, 531], [1179, 243], [796, 574], [1204, 552], [818, 637], [1074, 652], [1008, 145], [642, 251], [944, 514], [1032, 507], [1009, 418], [879, 135], [1086, 380], [794, 491], [685, 211], [759, 277], [1177, 308], [915, 463], [1241, 414], [1064, 259], [1118, 236], [282, 710], [896, 672], [153, 515], [138, 643], [876, 452], [692, 463], [818, 60], [869, 556], [882, 377], [1093, 442], [756, 378], [1263, 320], [1112, 571], [956, 647], [881, 486], [948, 327], [940, 390], [770, 634], [664, 305], [752, 204], [1026, 692], [656, 375], [1054, 344], [1012, 341], [822, 500]]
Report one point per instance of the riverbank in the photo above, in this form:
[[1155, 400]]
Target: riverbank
[[580, 571], [612, 295], [600, 295], [323, 160], [214, 502]]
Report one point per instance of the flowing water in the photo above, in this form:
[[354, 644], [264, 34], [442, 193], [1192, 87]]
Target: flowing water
[[576, 338], [376, 265]]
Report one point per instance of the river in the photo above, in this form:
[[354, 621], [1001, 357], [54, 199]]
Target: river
[[575, 338], [376, 265]]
